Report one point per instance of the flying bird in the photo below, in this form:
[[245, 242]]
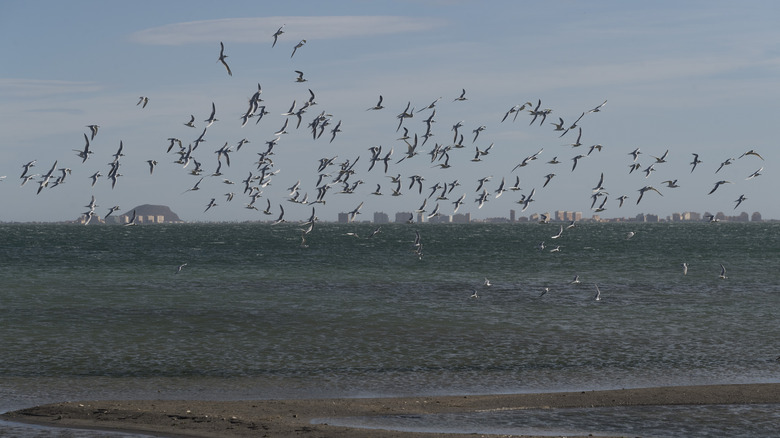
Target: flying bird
[[297, 46], [718, 184], [277, 34], [222, 57]]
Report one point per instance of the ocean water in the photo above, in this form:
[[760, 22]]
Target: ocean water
[[101, 313]]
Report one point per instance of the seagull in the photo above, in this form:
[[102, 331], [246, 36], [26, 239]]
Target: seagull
[[191, 123], [152, 163], [576, 280], [474, 293], [695, 161], [180, 267], [723, 271], [598, 293], [276, 34], [718, 184], [462, 96], [630, 234], [685, 268], [280, 219], [300, 76], [477, 131], [297, 46], [635, 153], [144, 100], [560, 233], [488, 283], [544, 291], [211, 118], [222, 57]]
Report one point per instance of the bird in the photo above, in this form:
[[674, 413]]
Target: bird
[[297, 46], [598, 293], [755, 174], [300, 76], [645, 189], [752, 152], [598, 108], [685, 268], [178, 269], [144, 100], [191, 123], [378, 105], [222, 57], [560, 233], [94, 130], [474, 293], [152, 163], [725, 163], [462, 96], [211, 203], [544, 291], [739, 200], [695, 161], [212, 117], [277, 33], [718, 184], [487, 283], [132, 220], [630, 234], [576, 280], [723, 272]]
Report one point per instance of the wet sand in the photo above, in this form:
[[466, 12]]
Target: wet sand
[[293, 418]]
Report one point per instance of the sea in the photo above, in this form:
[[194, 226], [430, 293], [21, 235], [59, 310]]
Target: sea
[[235, 311]]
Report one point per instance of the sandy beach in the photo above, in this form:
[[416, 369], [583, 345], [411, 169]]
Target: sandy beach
[[293, 418]]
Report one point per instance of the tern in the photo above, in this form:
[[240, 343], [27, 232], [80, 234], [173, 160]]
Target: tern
[[685, 268], [723, 271], [222, 57], [297, 46], [598, 293], [180, 267], [718, 184], [277, 34]]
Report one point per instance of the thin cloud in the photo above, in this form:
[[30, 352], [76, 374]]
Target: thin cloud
[[252, 30], [14, 87]]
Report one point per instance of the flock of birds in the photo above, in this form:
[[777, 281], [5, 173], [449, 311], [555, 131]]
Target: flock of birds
[[342, 176]]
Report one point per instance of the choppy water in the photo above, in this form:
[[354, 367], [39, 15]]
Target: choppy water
[[99, 312]]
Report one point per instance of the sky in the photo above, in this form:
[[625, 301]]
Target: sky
[[689, 77]]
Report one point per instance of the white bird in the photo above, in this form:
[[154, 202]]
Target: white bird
[[487, 282], [180, 267], [560, 233], [474, 293], [598, 293], [685, 268], [630, 235], [723, 272], [576, 280]]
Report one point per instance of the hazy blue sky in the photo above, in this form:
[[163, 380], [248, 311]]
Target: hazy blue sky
[[689, 77]]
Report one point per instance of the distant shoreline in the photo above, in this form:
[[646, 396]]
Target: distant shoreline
[[293, 418]]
